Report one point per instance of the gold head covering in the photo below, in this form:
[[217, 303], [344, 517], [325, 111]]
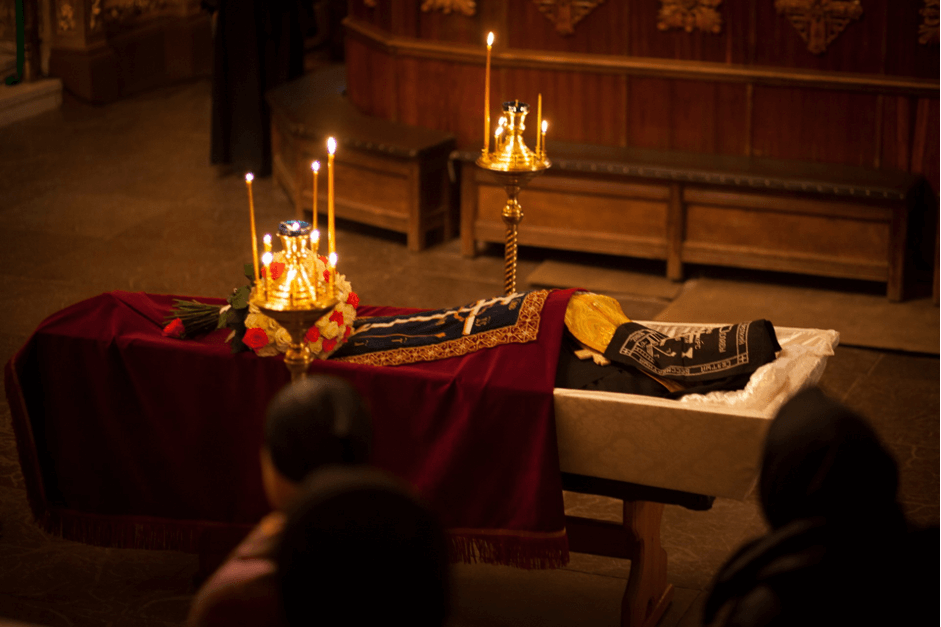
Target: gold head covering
[[593, 318]]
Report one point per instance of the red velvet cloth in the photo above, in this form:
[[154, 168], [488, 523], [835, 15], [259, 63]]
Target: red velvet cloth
[[130, 438]]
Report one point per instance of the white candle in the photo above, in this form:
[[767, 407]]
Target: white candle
[[331, 233], [487, 96], [315, 166], [542, 150], [266, 258], [333, 274], [251, 210], [539, 124]]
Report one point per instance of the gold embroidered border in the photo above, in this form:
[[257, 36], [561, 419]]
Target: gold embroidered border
[[525, 330]]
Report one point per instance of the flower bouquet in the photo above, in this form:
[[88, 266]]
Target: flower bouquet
[[252, 330]]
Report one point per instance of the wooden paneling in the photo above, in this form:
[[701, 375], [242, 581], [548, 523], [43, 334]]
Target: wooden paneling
[[904, 55], [372, 79], [595, 116], [815, 125], [925, 143], [442, 96], [649, 113], [646, 40], [897, 116], [753, 89], [695, 116]]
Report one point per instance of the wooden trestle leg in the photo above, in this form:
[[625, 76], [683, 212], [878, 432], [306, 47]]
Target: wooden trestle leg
[[638, 539]]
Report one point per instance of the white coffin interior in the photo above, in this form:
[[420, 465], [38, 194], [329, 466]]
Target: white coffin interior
[[708, 444]]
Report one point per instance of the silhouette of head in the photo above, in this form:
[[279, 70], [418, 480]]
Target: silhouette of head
[[823, 460], [358, 548], [311, 423]]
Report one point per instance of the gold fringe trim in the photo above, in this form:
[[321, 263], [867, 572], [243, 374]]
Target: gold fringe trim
[[528, 551]]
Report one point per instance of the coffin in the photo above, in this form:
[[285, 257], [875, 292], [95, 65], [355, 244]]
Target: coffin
[[706, 444]]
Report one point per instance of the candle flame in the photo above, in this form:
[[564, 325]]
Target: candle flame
[[267, 239], [249, 177], [490, 39], [545, 125], [331, 145], [266, 258], [333, 260], [315, 166], [315, 235]]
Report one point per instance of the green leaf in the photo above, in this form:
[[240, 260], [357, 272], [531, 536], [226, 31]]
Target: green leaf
[[223, 319], [249, 270], [239, 297]]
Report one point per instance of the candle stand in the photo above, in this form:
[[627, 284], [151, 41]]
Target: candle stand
[[296, 300], [514, 165]]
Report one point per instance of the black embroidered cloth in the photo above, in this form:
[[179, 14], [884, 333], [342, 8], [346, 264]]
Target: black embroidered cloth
[[707, 355], [444, 333]]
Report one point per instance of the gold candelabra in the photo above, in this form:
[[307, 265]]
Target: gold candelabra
[[512, 163], [297, 298]]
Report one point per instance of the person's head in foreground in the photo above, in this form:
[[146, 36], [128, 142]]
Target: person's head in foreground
[[359, 548], [839, 550], [314, 422]]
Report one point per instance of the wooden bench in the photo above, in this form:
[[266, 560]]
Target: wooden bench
[[387, 174], [809, 218]]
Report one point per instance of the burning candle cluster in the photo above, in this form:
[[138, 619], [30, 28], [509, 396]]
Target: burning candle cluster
[[510, 153], [291, 279]]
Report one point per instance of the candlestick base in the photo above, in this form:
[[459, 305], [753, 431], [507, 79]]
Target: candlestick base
[[296, 322], [513, 183]]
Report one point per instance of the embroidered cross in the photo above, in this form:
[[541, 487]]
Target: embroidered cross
[[819, 21]]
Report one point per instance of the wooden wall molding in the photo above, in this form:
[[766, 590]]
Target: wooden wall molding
[[397, 46]]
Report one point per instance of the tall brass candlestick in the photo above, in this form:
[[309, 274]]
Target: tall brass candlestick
[[487, 97], [315, 166], [331, 234], [251, 210]]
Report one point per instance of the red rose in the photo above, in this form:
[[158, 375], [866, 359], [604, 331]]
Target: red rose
[[326, 276], [329, 345], [277, 269], [174, 329], [313, 334], [322, 258], [337, 317], [255, 338], [346, 333], [352, 300]]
